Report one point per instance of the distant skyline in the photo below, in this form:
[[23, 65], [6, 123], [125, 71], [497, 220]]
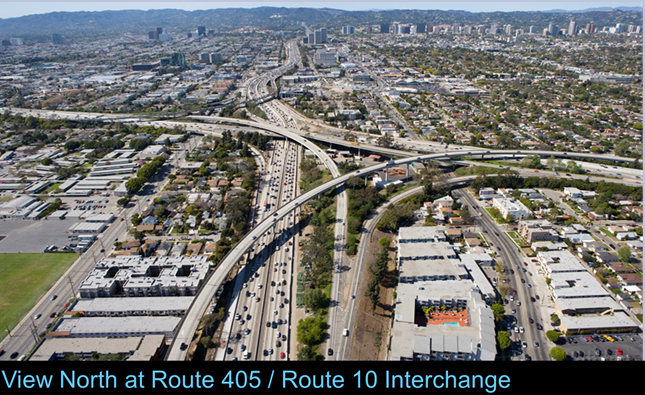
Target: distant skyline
[[23, 8]]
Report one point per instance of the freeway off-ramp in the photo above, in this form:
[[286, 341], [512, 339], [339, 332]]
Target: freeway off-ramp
[[201, 302]]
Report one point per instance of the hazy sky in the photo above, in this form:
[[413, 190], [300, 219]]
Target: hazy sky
[[16, 9]]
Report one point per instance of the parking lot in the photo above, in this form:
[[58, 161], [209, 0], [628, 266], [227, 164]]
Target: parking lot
[[33, 235], [24, 235], [608, 350]]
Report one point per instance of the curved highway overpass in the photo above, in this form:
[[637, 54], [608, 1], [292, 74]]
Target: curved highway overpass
[[191, 320], [201, 302], [465, 150]]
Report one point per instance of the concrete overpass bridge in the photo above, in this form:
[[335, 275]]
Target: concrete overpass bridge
[[474, 152], [201, 302], [189, 323]]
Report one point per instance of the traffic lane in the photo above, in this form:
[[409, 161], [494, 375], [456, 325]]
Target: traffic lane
[[513, 260]]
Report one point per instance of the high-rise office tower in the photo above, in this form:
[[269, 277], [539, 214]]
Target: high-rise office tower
[[201, 30], [323, 35], [591, 28], [508, 30], [216, 57], [554, 30], [178, 59], [402, 29], [422, 28], [533, 30], [385, 27], [157, 34], [318, 37], [312, 38], [573, 28]]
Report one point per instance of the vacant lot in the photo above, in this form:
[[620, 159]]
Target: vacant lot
[[371, 336], [23, 279]]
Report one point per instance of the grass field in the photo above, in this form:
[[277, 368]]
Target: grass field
[[23, 280], [497, 219]]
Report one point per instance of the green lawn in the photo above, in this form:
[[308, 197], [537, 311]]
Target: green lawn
[[520, 242], [608, 233], [498, 218], [23, 280]]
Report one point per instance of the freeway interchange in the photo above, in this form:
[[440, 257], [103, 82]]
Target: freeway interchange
[[281, 217]]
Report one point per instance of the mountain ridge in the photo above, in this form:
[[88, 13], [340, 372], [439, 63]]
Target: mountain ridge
[[106, 23]]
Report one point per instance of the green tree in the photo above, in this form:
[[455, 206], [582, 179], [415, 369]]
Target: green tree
[[311, 331], [503, 340], [205, 341], [373, 292], [625, 254], [315, 299], [384, 242], [136, 219], [532, 162], [384, 141], [134, 184], [138, 235], [123, 201], [621, 148], [72, 145], [498, 311], [552, 335], [558, 354]]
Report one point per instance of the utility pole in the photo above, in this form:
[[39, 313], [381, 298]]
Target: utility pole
[[71, 285]]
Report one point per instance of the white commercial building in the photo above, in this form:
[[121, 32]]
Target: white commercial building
[[136, 276], [326, 58], [512, 207], [152, 151]]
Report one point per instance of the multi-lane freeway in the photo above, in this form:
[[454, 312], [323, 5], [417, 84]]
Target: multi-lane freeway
[[291, 203]]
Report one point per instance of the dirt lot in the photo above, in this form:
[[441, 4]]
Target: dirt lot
[[371, 335]]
